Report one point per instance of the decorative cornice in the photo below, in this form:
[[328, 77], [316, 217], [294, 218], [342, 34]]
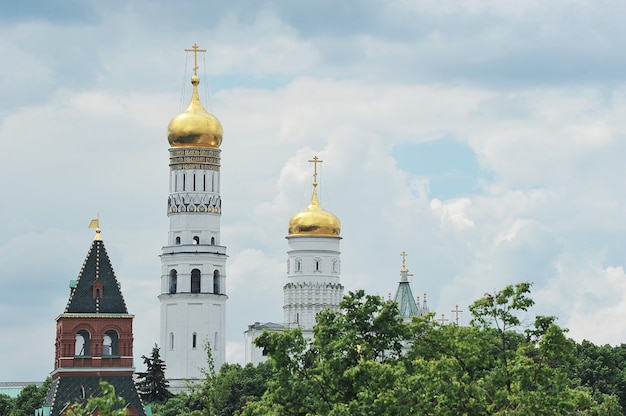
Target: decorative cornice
[[95, 315]]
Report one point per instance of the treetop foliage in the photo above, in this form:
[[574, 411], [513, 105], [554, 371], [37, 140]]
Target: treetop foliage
[[365, 360]]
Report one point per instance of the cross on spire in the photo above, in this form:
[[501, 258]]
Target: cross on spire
[[315, 161], [403, 254], [195, 51], [456, 310], [443, 319]]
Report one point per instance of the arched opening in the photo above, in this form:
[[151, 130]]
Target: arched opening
[[173, 281], [212, 241], [82, 343], [110, 343], [194, 341], [196, 239], [177, 240], [195, 281], [216, 282], [171, 340]]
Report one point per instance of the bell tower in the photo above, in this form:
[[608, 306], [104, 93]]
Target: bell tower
[[313, 267], [193, 294]]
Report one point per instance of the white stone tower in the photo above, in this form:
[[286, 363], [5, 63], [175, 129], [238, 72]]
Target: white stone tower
[[193, 296], [313, 265]]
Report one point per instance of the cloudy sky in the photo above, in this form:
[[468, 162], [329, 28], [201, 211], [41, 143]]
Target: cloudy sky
[[487, 139]]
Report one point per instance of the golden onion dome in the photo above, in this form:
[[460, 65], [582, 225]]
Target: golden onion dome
[[195, 127], [314, 220]]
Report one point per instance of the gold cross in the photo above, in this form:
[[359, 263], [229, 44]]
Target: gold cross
[[443, 319], [195, 51], [456, 311], [315, 161], [403, 254]]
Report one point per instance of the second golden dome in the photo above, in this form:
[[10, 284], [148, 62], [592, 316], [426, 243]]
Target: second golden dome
[[314, 220]]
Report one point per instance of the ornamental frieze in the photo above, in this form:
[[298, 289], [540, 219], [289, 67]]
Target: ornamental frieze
[[200, 203]]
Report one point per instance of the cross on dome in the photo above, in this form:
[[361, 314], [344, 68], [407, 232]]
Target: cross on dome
[[195, 51], [315, 161]]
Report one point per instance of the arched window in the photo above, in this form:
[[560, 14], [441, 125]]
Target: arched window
[[212, 241], [195, 281], [171, 340], [194, 341], [173, 281], [298, 265], [317, 264], [82, 343], [196, 239], [110, 343], [215, 339], [177, 240], [216, 282]]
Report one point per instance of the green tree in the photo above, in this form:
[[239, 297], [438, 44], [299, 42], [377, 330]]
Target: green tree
[[351, 366], [30, 398], [602, 369], [226, 392], [6, 404], [108, 404], [364, 360], [152, 385], [235, 386], [175, 406]]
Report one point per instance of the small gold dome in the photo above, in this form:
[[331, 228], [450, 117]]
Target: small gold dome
[[195, 127], [314, 220]]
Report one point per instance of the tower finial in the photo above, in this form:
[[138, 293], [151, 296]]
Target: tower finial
[[96, 224], [403, 254], [315, 161], [195, 51]]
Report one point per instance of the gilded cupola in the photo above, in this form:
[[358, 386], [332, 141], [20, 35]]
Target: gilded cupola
[[314, 220], [195, 127]]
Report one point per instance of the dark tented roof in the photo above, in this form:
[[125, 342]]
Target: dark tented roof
[[96, 273]]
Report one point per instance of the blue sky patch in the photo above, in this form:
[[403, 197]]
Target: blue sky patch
[[451, 167]]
